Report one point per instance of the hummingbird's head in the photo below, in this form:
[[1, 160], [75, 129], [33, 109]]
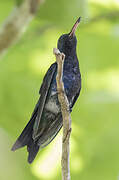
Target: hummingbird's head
[[67, 42]]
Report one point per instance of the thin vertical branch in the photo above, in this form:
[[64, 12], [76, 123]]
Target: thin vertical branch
[[16, 23], [65, 115]]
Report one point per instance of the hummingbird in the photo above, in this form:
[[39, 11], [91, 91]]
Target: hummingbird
[[46, 119]]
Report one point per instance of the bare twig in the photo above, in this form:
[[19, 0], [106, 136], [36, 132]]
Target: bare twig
[[17, 23], [65, 115]]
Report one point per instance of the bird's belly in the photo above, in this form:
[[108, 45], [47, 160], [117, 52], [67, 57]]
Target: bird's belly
[[53, 105]]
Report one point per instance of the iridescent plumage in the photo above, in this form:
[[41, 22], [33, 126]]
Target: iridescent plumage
[[46, 120]]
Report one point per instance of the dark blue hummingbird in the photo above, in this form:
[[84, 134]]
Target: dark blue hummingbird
[[46, 120]]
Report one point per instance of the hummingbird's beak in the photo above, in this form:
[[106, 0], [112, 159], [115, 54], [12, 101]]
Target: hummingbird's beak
[[71, 34]]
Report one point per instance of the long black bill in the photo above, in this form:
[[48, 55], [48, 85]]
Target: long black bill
[[71, 34]]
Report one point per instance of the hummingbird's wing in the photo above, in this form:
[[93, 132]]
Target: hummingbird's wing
[[78, 92], [26, 135], [75, 98], [43, 95], [50, 132]]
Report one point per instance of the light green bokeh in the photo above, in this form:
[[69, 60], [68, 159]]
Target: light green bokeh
[[95, 117]]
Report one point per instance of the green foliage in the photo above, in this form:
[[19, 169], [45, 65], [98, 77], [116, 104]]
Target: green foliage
[[61, 12], [19, 2], [95, 135]]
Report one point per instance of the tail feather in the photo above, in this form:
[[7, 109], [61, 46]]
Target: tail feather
[[25, 136], [33, 149], [25, 139]]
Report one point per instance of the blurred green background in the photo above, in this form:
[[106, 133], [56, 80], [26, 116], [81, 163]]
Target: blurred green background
[[95, 117]]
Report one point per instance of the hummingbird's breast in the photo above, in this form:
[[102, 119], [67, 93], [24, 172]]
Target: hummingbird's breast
[[71, 85]]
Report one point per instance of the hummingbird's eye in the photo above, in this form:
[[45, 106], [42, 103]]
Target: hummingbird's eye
[[71, 38]]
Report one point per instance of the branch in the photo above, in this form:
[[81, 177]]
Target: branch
[[16, 23], [65, 115]]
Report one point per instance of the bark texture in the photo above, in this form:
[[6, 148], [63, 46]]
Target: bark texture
[[16, 23], [65, 114]]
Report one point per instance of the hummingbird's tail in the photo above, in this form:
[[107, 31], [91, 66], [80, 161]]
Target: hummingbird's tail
[[25, 139], [25, 136], [32, 149]]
